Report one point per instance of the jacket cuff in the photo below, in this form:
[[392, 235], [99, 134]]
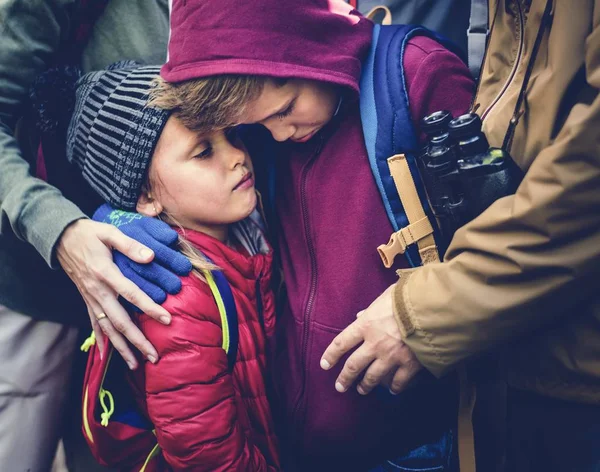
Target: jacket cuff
[[418, 341], [401, 304], [46, 221]]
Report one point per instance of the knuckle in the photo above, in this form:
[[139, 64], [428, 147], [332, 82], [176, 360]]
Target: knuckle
[[129, 294], [370, 349], [111, 231], [344, 378], [367, 324], [370, 379], [103, 294], [119, 325], [129, 245], [106, 328], [338, 343], [98, 270], [398, 382], [351, 367], [395, 351]]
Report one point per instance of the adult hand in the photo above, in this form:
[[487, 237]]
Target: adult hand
[[382, 354], [85, 253]]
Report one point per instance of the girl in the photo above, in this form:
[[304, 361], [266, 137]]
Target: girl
[[208, 411]]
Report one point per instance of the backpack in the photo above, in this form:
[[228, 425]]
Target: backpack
[[117, 433], [392, 145]]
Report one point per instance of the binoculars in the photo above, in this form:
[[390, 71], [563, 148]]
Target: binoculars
[[462, 174]]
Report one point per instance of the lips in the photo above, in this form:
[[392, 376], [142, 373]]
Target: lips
[[305, 138], [247, 181]]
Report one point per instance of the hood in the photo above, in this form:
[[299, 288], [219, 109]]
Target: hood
[[323, 40]]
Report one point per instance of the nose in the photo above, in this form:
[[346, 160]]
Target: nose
[[237, 155], [280, 131]]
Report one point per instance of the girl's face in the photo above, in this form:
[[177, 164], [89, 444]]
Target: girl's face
[[204, 182], [296, 110]]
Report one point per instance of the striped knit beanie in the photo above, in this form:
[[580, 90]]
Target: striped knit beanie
[[112, 134]]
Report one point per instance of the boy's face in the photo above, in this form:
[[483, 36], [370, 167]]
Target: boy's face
[[294, 111], [204, 182]]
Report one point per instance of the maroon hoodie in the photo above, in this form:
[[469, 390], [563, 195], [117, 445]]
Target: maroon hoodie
[[331, 214]]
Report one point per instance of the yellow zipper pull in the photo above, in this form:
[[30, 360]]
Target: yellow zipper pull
[[89, 342]]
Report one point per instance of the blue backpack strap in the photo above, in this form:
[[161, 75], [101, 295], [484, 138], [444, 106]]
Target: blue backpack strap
[[389, 131], [223, 296]]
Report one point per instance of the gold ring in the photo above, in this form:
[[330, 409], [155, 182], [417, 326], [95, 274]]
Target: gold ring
[[101, 316]]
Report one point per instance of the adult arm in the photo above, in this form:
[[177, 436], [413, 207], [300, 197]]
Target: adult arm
[[190, 394], [526, 262], [30, 34]]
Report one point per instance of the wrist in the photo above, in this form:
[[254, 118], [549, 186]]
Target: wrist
[[66, 238]]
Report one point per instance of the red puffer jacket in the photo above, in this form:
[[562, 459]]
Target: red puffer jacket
[[206, 417]]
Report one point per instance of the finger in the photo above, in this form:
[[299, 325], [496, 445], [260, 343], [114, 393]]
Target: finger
[[374, 375], [121, 323], [133, 294], [93, 310], [164, 255], [341, 344], [354, 366], [98, 334], [160, 278], [160, 231], [172, 259], [402, 379], [118, 342], [134, 250], [130, 270], [360, 313]]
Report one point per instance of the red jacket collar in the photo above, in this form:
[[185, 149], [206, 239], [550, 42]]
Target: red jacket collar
[[231, 261]]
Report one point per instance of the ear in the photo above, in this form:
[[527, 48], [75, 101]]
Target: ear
[[147, 206]]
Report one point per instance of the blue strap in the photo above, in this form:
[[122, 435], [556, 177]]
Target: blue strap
[[368, 115], [387, 123]]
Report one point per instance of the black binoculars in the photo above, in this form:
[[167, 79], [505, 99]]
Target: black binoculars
[[462, 174]]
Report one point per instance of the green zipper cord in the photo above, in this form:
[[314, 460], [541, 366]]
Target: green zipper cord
[[106, 411]]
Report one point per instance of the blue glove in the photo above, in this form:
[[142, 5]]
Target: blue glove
[[160, 276]]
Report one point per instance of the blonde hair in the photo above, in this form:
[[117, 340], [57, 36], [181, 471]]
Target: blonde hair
[[207, 104], [200, 265]]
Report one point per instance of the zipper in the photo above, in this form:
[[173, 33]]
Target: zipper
[[313, 280], [474, 106], [546, 19], [515, 67]]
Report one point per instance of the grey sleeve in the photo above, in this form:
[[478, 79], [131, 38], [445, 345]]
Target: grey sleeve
[[30, 33]]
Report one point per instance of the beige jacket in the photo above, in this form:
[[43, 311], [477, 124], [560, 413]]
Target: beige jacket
[[525, 275]]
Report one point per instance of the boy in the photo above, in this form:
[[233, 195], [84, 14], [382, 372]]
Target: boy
[[300, 64]]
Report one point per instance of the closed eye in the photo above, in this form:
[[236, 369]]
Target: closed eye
[[206, 153], [288, 111]]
